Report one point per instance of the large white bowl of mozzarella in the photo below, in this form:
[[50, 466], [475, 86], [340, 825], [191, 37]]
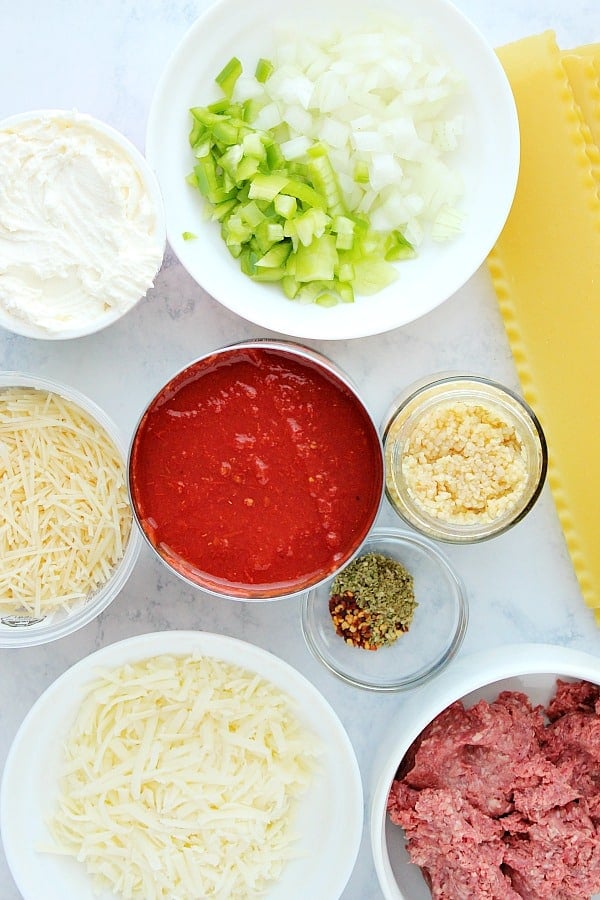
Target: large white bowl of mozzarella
[[181, 764]]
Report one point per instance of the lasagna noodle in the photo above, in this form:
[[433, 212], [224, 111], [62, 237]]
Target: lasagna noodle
[[582, 67], [546, 272]]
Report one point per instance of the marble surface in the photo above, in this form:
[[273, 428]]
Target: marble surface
[[105, 59]]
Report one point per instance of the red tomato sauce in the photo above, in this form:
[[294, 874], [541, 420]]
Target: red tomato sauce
[[255, 471]]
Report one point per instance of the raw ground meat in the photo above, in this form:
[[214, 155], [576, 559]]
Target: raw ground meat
[[580, 695], [502, 800]]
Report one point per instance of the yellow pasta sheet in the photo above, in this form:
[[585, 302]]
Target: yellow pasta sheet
[[583, 71], [546, 273]]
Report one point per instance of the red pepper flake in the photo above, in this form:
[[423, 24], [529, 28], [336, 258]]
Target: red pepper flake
[[351, 621]]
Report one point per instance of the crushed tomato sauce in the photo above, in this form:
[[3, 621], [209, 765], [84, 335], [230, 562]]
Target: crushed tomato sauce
[[254, 467]]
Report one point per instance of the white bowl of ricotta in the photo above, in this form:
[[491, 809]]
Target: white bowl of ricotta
[[82, 229]]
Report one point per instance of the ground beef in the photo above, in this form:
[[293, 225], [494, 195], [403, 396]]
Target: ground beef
[[579, 695], [479, 750], [502, 800]]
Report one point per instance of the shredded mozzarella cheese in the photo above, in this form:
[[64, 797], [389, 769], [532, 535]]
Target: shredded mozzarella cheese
[[65, 513], [180, 779]]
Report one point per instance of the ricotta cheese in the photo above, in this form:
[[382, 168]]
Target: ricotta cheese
[[78, 227]]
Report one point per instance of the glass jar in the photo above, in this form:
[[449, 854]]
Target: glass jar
[[465, 457]]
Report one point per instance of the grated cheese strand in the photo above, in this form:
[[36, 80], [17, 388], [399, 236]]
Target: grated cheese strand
[[180, 780], [66, 515]]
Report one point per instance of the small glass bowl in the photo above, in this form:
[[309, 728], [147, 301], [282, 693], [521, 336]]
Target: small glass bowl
[[435, 634], [23, 630], [455, 390]]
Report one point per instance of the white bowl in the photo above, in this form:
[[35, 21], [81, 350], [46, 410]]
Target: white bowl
[[15, 632], [327, 852], [530, 668], [141, 185], [490, 145]]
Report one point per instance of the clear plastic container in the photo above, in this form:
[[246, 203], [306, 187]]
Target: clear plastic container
[[450, 484], [25, 631]]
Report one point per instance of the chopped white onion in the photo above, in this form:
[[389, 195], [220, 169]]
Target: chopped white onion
[[268, 117], [377, 97], [299, 120], [296, 147], [334, 133]]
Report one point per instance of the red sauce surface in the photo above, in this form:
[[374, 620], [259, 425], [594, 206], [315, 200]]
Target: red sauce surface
[[255, 469]]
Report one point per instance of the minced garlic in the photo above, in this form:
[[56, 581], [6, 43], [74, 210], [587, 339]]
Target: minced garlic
[[463, 463]]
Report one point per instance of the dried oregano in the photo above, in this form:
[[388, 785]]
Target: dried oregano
[[372, 602]]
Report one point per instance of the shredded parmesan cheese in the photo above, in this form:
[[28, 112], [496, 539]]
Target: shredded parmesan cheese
[[65, 512], [180, 778]]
